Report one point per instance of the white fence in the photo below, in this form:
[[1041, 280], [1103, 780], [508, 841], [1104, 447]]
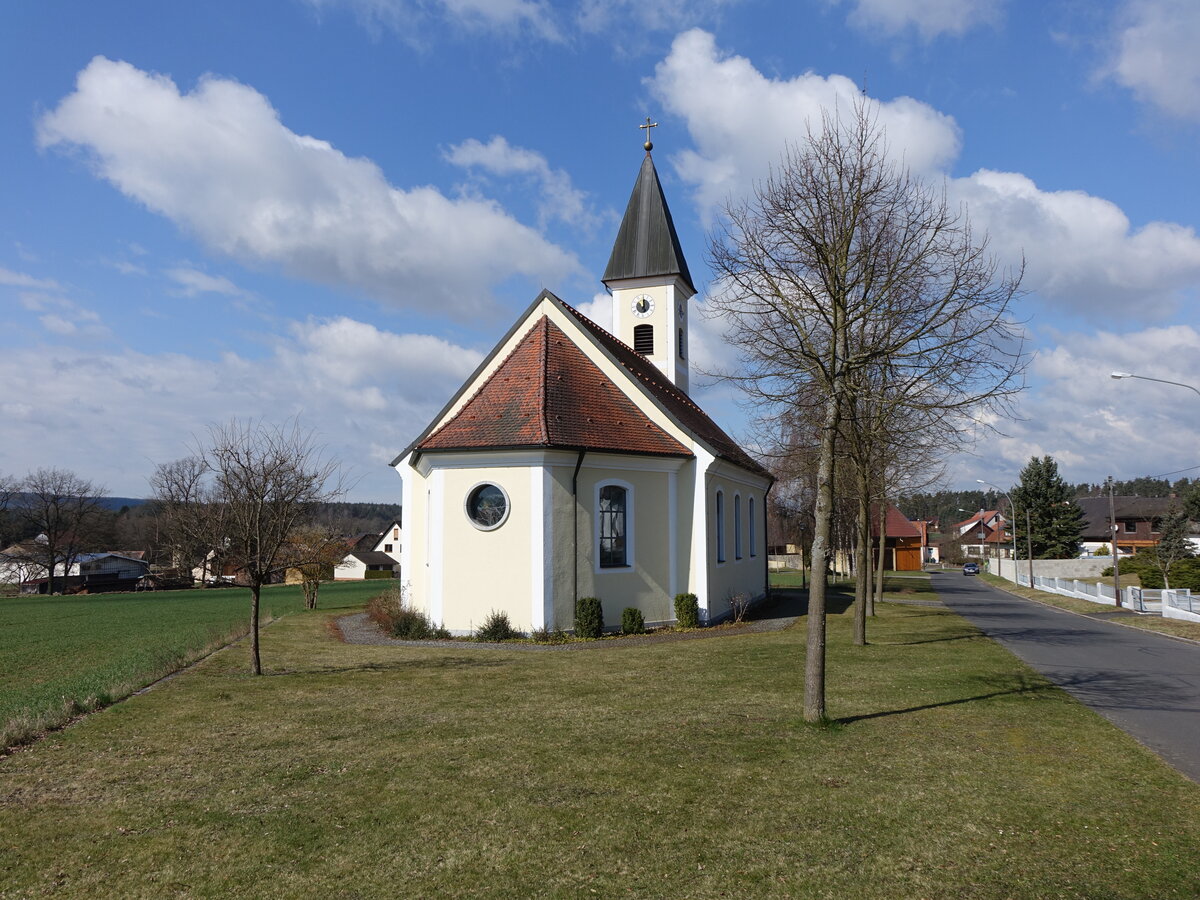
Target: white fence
[[1131, 597], [1181, 605]]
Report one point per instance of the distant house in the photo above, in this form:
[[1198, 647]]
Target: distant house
[[904, 541], [1138, 522], [371, 553], [984, 534]]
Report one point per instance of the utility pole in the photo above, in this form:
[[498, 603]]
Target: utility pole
[[1112, 520], [1028, 547]]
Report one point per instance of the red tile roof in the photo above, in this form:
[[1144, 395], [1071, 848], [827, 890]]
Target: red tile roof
[[898, 525], [674, 402], [547, 393]]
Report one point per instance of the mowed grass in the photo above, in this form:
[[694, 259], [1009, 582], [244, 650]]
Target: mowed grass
[[63, 655], [666, 770]]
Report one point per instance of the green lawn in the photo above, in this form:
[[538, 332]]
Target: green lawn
[[59, 655], [667, 770]]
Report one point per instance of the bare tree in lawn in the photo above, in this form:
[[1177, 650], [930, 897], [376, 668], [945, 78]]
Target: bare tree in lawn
[[842, 262], [265, 480], [314, 551], [63, 513], [192, 514]]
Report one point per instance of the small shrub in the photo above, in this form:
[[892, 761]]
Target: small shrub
[[544, 635], [632, 621], [687, 611], [738, 604], [371, 574], [391, 612], [497, 627], [589, 618]]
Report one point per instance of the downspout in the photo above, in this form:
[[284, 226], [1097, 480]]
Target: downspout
[[575, 530], [765, 539]]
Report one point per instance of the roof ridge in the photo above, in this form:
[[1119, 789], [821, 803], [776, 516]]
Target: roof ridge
[[662, 380], [544, 323]]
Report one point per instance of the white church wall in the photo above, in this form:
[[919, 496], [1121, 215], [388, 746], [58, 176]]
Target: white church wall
[[646, 583], [747, 574], [487, 570]]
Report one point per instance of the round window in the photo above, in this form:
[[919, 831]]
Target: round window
[[487, 506]]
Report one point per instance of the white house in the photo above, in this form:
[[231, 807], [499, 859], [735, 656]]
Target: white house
[[379, 552], [573, 462]]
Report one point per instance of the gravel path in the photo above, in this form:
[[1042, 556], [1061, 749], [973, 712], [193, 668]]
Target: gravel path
[[775, 615]]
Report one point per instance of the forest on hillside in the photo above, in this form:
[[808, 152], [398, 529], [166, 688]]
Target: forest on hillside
[[949, 507]]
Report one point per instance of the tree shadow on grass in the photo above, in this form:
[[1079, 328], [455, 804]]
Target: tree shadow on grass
[[961, 636], [399, 665], [789, 602], [1004, 686]]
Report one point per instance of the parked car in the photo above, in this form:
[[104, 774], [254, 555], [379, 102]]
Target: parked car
[[971, 569]]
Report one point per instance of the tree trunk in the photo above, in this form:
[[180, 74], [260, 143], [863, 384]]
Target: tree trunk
[[862, 586], [814, 662], [883, 551], [255, 660]]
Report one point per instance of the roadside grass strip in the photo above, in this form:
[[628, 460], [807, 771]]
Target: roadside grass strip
[[667, 770], [62, 656], [1176, 627]]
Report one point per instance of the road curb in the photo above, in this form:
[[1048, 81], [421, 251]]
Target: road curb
[[1073, 612]]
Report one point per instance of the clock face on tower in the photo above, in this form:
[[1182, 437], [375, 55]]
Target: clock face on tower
[[643, 305]]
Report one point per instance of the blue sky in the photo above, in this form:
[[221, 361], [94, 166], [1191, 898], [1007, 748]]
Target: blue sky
[[332, 209]]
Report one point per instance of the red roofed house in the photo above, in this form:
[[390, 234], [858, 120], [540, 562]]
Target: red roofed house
[[904, 542], [573, 463]]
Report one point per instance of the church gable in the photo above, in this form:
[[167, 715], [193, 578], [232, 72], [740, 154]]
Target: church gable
[[547, 393]]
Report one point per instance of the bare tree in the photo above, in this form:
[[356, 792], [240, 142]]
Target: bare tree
[[842, 262], [314, 551], [259, 482], [192, 513], [62, 512]]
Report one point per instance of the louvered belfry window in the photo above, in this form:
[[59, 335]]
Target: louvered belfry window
[[643, 339]]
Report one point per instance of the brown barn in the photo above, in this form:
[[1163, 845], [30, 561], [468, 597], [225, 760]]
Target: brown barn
[[904, 544]]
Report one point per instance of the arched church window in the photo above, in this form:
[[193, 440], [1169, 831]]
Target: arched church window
[[737, 526], [613, 526], [720, 513], [487, 506], [750, 512], [643, 339]]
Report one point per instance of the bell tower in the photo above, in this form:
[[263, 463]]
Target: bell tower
[[649, 279]]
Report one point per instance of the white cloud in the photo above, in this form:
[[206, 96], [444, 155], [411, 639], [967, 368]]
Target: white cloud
[[21, 280], [407, 17], [647, 15], [1095, 425], [929, 18], [1155, 54], [219, 163], [62, 316], [193, 282], [560, 198], [1081, 250], [368, 392], [740, 120]]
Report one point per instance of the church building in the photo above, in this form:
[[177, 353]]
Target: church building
[[573, 462]]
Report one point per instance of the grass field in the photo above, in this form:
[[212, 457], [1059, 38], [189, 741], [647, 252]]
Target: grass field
[[666, 770], [62, 655]]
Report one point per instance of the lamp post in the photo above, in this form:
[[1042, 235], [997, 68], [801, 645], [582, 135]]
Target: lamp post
[[1120, 375], [1012, 511]]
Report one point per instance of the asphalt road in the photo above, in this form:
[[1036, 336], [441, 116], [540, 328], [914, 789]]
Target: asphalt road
[[1144, 683]]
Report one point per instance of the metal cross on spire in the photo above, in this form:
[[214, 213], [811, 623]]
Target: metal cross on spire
[[648, 145]]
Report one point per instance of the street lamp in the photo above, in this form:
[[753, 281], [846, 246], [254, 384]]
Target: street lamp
[[1012, 509], [1119, 375]]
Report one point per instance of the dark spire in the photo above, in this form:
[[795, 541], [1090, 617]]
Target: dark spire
[[646, 244]]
